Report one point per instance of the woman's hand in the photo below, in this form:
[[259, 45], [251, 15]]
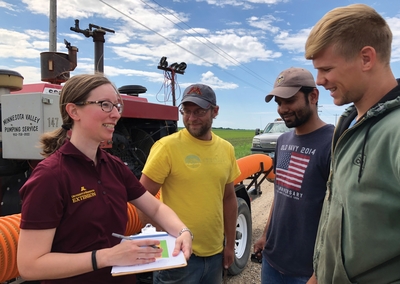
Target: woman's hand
[[130, 252], [183, 243]]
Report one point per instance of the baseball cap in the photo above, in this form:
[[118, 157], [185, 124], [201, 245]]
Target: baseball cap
[[290, 81], [199, 94]]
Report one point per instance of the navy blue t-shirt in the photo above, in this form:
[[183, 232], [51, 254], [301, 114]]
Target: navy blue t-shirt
[[301, 166]]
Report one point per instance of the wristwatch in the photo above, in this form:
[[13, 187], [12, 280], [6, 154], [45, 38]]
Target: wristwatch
[[186, 230]]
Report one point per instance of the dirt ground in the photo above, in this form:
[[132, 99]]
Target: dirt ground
[[259, 210]]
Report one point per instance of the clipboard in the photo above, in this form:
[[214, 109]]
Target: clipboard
[[167, 261]]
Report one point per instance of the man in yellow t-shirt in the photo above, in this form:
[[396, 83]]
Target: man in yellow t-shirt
[[196, 170]]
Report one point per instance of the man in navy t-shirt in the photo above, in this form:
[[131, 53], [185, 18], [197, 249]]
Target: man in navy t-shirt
[[301, 167]]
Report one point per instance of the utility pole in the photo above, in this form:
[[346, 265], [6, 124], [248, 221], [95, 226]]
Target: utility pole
[[173, 69], [53, 26], [55, 66]]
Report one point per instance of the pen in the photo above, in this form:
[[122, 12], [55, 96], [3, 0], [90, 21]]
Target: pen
[[129, 238], [121, 236]]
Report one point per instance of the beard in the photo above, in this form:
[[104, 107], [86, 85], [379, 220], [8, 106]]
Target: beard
[[199, 132], [300, 118]]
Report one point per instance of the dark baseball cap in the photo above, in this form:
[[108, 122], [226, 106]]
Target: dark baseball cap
[[199, 94], [290, 81]]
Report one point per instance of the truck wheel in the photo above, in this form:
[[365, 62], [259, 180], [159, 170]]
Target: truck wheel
[[243, 238]]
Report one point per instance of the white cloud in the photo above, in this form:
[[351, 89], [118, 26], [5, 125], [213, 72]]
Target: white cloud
[[134, 42], [264, 23], [292, 42], [214, 82], [72, 35], [222, 3], [118, 38], [245, 4], [394, 24], [205, 49], [37, 34], [8, 37], [7, 6], [268, 1], [234, 23], [21, 45], [31, 74], [9, 51]]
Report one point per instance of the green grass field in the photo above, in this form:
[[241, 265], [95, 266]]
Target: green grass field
[[240, 139]]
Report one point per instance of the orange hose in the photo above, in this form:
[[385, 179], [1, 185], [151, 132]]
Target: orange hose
[[14, 230], [9, 233], [4, 251], [134, 224]]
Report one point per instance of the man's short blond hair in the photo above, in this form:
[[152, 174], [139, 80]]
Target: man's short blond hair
[[348, 29]]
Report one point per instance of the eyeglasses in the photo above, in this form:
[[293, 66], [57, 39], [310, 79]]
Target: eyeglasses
[[106, 106], [196, 113]]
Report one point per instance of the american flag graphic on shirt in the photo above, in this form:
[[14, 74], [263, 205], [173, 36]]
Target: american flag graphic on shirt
[[290, 171]]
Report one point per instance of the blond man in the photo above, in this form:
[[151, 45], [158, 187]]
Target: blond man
[[358, 239]]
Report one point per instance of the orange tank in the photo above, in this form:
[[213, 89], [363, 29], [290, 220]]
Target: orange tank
[[255, 163]]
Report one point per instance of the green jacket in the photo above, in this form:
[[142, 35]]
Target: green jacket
[[358, 239]]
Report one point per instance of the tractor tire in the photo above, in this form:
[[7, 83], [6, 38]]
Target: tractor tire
[[243, 238]]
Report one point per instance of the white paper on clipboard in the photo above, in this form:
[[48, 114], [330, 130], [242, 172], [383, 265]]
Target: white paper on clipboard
[[167, 261]]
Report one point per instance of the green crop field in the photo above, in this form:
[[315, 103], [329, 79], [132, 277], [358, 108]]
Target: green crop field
[[240, 139]]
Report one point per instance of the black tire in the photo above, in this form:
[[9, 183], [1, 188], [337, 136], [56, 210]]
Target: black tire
[[243, 238]]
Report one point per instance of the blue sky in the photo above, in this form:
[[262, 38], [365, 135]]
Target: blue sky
[[237, 47]]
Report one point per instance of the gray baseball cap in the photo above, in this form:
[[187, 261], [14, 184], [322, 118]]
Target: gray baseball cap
[[199, 94], [290, 81]]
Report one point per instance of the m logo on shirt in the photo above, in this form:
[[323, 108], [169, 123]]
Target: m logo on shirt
[[291, 169], [84, 194]]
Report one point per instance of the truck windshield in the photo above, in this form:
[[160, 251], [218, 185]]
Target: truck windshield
[[276, 128]]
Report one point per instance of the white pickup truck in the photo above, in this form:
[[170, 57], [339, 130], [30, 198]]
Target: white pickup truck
[[265, 141]]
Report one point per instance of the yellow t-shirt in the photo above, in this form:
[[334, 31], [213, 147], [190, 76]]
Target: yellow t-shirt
[[193, 174]]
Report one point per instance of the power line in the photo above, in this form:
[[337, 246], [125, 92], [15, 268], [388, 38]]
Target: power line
[[171, 41], [236, 63]]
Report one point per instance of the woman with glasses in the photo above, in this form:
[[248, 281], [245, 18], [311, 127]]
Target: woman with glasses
[[76, 197]]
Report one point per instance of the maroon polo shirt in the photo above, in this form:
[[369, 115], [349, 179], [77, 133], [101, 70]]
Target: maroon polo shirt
[[86, 203]]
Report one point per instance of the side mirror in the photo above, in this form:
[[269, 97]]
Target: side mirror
[[257, 131]]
